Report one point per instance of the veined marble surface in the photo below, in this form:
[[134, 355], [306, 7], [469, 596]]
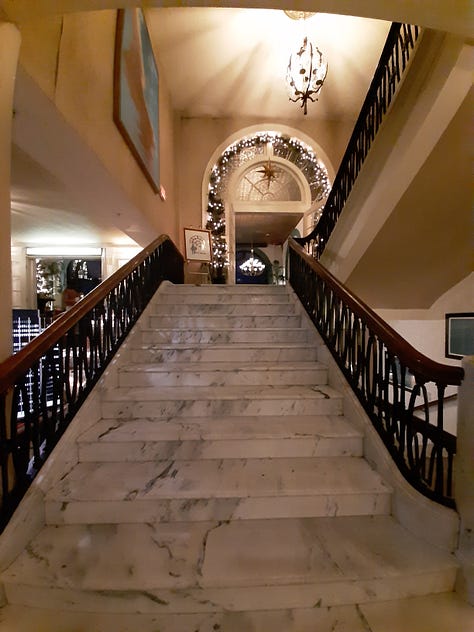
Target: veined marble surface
[[436, 613], [206, 493], [220, 335], [241, 352], [216, 489], [203, 321], [129, 403], [220, 437], [222, 374], [224, 309], [206, 567]]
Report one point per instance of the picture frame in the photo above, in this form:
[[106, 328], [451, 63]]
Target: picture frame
[[197, 244], [459, 339], [136, 92]]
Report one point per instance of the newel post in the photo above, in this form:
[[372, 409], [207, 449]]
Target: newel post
[[464, 482]]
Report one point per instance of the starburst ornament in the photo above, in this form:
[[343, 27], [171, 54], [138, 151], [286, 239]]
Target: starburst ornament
[[269, 172]]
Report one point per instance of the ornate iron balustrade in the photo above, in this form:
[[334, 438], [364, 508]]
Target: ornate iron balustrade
[[44, 384], [392, 380], [400, 43]]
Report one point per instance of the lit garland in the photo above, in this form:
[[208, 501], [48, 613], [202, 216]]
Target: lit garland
[[240, 152]]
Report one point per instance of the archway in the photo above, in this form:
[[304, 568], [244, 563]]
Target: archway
[[296, 180]]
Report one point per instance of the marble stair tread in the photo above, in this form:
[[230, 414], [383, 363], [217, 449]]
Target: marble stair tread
[[219, 438], [202, 335], [206, 321], [226, 478], [220, 428], [224, 309], [191, 367], [217, 352], [223, 373], [212, 566], [199, 401], [230, 298], [151, 393]]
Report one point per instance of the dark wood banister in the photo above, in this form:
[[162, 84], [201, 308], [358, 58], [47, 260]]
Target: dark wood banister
[[418, 363], [16, 365]]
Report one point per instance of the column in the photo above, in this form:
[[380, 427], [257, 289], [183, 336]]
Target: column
[[9, 51]]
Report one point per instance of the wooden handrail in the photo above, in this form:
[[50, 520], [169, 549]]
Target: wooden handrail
[[420, 365], [16, 365], [43, 385], [377, 362]]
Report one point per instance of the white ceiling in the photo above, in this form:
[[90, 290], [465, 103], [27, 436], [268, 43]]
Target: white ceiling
[[216, 63], [232, 62]]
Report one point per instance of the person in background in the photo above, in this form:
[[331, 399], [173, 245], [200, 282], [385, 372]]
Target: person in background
[[70, 297]]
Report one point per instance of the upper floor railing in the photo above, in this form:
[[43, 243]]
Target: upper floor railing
[[43, 385], [396, 53], [395, 384]]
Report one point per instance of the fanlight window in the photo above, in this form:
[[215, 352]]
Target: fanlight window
[[268, 181]]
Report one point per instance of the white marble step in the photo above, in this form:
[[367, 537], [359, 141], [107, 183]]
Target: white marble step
[[214, 567], [192, 288], [216, 489], [222, 374], [218, 335], [209, 321], [219, 438], [240, 352], [229, 298], [223, 309], [201, 401]]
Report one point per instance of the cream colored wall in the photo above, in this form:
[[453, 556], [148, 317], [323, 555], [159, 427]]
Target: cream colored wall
[[200, 137], [424, 329], [71, 58]]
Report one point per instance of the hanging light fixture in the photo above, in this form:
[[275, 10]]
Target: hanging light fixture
[[307, 69], [252, 266]]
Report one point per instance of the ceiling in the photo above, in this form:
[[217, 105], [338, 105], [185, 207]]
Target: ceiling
[[232, 62], [261, 229], [217, 63]]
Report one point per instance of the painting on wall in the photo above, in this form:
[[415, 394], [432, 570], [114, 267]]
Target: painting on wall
[[136, 112], [197, 244]]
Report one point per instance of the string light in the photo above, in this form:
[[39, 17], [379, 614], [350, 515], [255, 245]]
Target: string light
[[237, 154]]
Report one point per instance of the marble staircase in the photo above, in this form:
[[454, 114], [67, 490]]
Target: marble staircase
[[221, 477]]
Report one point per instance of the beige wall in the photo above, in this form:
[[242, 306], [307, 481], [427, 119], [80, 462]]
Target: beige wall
[[200, 137], [71, 58]]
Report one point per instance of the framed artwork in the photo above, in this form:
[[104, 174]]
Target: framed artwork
[[459, 340], [136, 112], [197, 244]]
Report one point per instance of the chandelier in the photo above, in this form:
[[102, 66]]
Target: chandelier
[[252, 266], [307, 70]]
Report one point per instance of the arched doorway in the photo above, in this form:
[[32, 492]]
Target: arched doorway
[[258, 191]]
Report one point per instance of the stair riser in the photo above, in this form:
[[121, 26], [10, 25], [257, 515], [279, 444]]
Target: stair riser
[[199, 336], [318, 594], [224, 322], [229, 299], [142, 378], [216, 509], [193, 600], [222, 309], [245, 448], [204, 408], [222, 354]]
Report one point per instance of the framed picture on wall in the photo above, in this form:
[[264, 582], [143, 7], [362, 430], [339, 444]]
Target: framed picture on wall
[[136, 84], [197, 244], [459, 335]]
